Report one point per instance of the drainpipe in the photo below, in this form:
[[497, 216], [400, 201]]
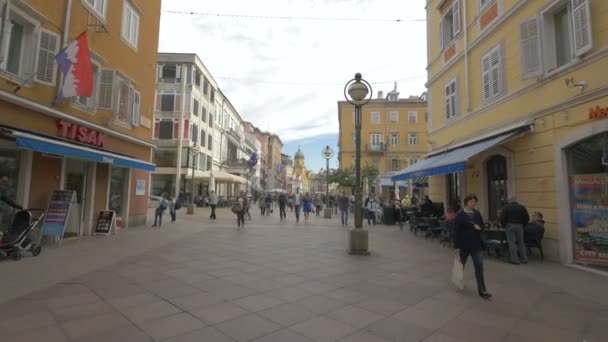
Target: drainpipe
[[180, 132], [466, 55], [66, 28]]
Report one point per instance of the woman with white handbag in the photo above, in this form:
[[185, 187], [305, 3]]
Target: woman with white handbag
[[468, 241]]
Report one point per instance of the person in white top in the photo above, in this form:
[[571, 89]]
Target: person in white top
[[160, 210], [372, 207], [297, 202]]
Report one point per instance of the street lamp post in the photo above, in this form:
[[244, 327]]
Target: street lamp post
[[356, 93], [194, 150], [327, 154]]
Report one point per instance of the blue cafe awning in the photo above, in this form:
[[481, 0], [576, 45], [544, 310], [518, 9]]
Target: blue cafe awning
[[51, 146], [449, 162]]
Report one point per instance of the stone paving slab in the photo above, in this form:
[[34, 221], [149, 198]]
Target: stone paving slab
[[202, 280]]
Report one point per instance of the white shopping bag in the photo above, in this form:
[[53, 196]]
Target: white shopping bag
[[458, 273]]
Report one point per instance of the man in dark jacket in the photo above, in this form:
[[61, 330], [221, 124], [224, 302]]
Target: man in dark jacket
[[514, 217], [282, 205]]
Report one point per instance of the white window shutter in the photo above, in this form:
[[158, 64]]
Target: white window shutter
[[456, 17], [178, 72], [496, 72], [46, 68], [581, 16], [106, 88], [136, 109], [529, 40], [485, 75]]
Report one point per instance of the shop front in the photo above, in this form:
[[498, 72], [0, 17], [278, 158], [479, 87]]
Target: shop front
[[49, 154], [583, 175]]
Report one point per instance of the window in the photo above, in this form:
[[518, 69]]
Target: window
[[19, 43], [211, 119], [376, 139], [90, 102], [165, 129], [209, 142], [105, 97], [206, 86], [412, 117], [97, 6], [197, 77], [566, 33], [165, 158], [394, 116], [484, 3], [413, 161], [127, 105], [394, 139], [491, 71], [376, 118], [212, 96], [451, 109], [203, 137], [48, 47], [136, 108], [449, 26], [395, 164], [194, 131], [393, 97], [204, 114], [168, 102], [130, 25], [169, 73], [412, 139], [195, 107]]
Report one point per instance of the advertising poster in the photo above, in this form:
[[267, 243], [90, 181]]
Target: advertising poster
[[56, 218], [105, 222], [140, 187], [590, 217]]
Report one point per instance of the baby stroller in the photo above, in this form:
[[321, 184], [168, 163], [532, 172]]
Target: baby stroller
[[17, 240]]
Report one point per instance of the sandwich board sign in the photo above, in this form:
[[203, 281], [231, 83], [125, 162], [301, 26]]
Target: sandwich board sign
[[105, 221], [57, 213]]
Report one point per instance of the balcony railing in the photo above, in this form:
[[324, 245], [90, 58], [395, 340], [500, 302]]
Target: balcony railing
[[376, 148]]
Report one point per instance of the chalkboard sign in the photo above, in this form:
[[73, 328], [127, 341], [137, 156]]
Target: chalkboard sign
[[105, 221]]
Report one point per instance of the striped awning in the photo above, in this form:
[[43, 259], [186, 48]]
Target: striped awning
[[421, 182]]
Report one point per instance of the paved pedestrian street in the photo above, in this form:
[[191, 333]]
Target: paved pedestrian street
[[197, 280]]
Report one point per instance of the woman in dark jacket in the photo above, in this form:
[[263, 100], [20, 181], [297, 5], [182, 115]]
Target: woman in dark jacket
[[467, 238]]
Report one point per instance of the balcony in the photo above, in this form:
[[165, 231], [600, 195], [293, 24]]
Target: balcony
[[375, 148], [233, 135]]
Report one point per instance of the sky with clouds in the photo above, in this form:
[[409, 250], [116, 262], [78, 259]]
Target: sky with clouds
[[286, 75]]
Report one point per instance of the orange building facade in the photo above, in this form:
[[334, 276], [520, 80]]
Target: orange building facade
[[98, 146]]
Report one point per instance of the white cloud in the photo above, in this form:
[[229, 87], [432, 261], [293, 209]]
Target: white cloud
[[320, 56]]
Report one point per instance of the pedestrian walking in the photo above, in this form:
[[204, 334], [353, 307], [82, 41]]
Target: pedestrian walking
[[213, 203], [172, 208], [468, 241], [318, 204], [268, 204], [247, 213], [371, 206], [307, 206], [344, 204], [239, 208], [514, 217], [262, 204], [162, 206], [282, 204], [297, 203]]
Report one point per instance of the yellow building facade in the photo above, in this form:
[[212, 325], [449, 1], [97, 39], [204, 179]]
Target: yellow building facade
[[39, 148], [393, 135], [518, 101]]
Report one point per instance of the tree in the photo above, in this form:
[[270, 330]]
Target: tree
[[371, 173], [344, 177]]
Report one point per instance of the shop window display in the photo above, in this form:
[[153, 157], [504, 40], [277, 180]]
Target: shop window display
[[588, 177], [9, 172]]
